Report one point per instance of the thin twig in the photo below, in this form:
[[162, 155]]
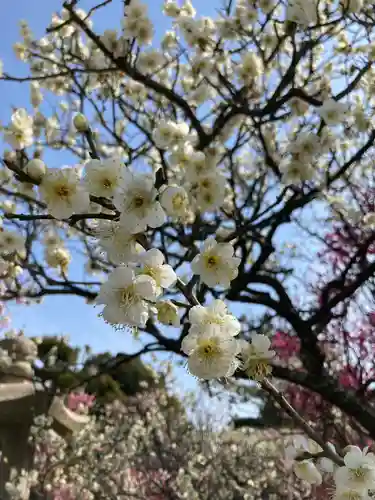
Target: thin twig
[[285, 405]]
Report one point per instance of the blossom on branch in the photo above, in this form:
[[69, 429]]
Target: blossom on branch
[[19, 133], [63, 193], [215, 264], [136, 200], [126, 297]]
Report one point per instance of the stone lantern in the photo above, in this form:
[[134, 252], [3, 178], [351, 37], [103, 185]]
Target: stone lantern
[[21, 400]]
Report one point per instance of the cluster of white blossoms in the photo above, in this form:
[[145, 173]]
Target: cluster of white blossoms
[[56, 255], [301, 159], [354, 478], [128, 295], [306, 12], [213, 350], [136, 23], [133, 289], [210, 343], [195, 183]]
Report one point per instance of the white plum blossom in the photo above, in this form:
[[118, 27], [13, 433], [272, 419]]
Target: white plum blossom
[[171, 8], [136, 200], [358, 473], [9, 206], [121, 246], [325, 464], [36, 95], [150, 61], [333, 112], [10, 242], [250, 67], [52, 238], [294, 172], [307, 471], [212, 354], [197, 165], [305, 147], [175, 201], [4, 266], [210, 342], [187, 9], [103, 177], [126, 297], [65, 29], [153, 264], [63, 193], [299, 444], [21, 52], [113, 43], [302, 12], [353, 6], [19, 133], [369, 220], [216, 264], [168, 133], [215, 313], [209, 192], [57, 257], [167, 313], [257, 356], [350, 494], [136, 10], [52, 129], [184, 156], [136, 23]]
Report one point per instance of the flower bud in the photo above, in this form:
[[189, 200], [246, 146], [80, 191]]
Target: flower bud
[[36, 169], [307, 471], [8, 206], [14, 271], [353, 6], [81, 123], [167, 313], [10, 156]]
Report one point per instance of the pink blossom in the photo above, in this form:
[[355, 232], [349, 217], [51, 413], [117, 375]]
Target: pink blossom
[[371, 318], [151, 481], [285, 345], [348, 378], [80, 401], [63, 493]]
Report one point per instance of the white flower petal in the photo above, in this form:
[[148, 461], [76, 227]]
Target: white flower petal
[[156, 216]]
